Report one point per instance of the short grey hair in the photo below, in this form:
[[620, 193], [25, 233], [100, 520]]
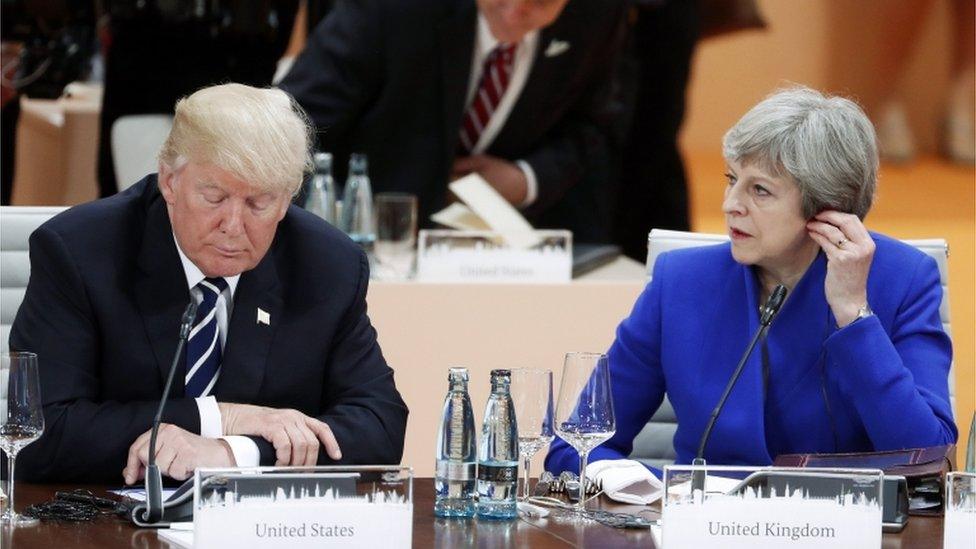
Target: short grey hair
[[260, 135], [825, 144]]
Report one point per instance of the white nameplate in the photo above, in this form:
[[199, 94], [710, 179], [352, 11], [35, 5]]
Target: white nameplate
[[771, 523], [959, 530], [749, 518], [294, 508], [306, 522], [282, 525], [481, 256]]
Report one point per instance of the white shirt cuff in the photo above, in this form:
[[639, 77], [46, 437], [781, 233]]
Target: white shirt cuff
[[531, 184], [626, 481], [245, 451], [210, 426]]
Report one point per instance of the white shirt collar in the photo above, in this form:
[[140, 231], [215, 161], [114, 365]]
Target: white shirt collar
[[486, 40], [194, 275]]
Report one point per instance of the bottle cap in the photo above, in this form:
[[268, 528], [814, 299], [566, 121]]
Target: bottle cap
[[323, 161], [457, 373], [357, 163]]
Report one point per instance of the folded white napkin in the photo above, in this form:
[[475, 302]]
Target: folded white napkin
[[626, 481]]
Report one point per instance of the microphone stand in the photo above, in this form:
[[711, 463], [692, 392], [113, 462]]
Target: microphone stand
[[152, 511], [769, 310]]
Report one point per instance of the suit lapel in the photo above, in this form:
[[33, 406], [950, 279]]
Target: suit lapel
[[160, 290], [258, 295], [457, 37], [538, 89]]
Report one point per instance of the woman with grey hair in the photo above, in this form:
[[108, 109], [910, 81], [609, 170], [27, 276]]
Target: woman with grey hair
[[855, 361]]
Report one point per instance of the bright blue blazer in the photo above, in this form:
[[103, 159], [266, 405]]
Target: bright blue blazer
[[879, 383]]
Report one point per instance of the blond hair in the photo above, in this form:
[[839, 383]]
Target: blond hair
[[260, 135]]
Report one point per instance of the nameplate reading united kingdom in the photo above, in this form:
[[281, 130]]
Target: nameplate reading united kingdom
[[771, 508]]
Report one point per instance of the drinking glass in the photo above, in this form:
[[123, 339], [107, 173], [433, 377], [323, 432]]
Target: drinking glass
[[971, 447], [396, 235], [21, 420], [532, 394], [584, 412]]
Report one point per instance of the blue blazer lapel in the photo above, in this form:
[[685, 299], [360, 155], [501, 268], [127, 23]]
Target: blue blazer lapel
[[805, 312], [258, 306], [160, 289], [747, 396]]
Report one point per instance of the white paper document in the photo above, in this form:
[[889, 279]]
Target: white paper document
[[484, 202], [460, 217], [139, 494], [179, 534]]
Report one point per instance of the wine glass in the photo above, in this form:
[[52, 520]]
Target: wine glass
[[584, 412], [532, 394], [21, 420]]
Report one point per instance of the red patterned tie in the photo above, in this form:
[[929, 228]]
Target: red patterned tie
[[494, 79]]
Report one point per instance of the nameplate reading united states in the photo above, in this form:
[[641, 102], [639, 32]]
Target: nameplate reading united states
[[318, 507], [483, 257]]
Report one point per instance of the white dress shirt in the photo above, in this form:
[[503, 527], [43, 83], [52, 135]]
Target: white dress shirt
[[245, 451], [485, 42]]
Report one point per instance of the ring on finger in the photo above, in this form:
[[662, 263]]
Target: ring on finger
[[841, 242]]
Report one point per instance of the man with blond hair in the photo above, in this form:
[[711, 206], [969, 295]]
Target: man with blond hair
[[281, 362]]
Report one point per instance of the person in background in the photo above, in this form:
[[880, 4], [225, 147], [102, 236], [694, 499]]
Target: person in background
[[856, 360], [282, 361], [157, 51], [889, 106], [652, 86], [656, 65], [432, 90]]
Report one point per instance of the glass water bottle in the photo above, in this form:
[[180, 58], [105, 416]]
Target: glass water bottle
[[454, 480], [321, 199], [498, 453], [357, 204]]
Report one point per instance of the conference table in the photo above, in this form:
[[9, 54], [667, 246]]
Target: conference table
[[428, 531]]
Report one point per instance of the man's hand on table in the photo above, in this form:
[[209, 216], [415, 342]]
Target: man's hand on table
[[178, 453], [506, 177], [295, 436]]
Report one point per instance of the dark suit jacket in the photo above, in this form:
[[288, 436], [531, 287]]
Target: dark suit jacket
[[102, 311], [389, 78]]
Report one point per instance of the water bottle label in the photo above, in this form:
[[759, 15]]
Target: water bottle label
[[497, 473], [452, 470]]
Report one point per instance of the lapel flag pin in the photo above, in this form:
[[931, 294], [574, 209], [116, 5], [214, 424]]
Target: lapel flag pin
[[556, 47], [264, 317]]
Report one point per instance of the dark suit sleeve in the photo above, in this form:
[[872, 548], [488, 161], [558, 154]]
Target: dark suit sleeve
[[561, 160], [85, 439], [338, 72], [362, 405]]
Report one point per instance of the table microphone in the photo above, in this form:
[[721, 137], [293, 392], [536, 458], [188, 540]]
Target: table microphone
[[152, 511], [768, 312]]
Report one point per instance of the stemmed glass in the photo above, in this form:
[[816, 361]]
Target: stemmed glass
[[21, 420], [532, 394], [584, 412]]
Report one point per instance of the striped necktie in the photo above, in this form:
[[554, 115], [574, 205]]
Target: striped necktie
[[203, 348], [495, 75]]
